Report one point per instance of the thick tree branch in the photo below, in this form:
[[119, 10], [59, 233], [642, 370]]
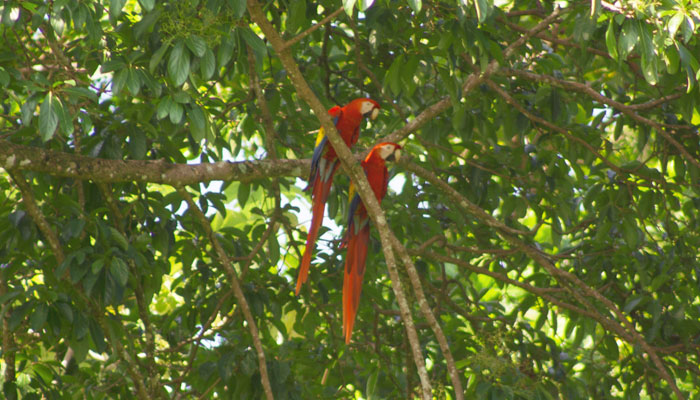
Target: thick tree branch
[[54, 163], [236, 286]]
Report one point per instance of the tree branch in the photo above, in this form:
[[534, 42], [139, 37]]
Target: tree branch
[[625, 109], [28, 158], [414, 278], [624, 328], [236, 286], [307, 32], [362, 185]]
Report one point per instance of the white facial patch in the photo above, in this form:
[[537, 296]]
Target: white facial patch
[[366, 107], [386, 151]]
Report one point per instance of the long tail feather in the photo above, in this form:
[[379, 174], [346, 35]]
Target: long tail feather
[[318, 198], [352, 280]]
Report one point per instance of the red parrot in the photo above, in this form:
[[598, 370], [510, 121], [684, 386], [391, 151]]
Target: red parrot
[[325, 162], [357, 235]]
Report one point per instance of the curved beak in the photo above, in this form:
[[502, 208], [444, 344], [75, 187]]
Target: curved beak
[[395, 156], [374, 113]]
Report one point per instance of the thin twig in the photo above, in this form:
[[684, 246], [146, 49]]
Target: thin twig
[[625, 109], [307, 32]]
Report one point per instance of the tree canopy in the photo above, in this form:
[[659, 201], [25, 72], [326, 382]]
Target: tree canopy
[[539, 239]]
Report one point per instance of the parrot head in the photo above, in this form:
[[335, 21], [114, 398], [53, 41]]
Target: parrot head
[[366, 107], [388, 151]]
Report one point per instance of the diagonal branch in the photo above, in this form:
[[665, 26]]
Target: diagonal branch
[[309, 31], [236, 286], [428, 314], [33, 209], [579, 289], [472, 81], [362, 185], [624, 108]]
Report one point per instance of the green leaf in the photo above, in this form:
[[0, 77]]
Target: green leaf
[[393, 75], [133, 82], [628, 38], [297, 15], [243, 193], [225, 51], [371, 387], [196, 44], [179, 64], [239, 7], [195, 115], [633, 302], [348, 6], [482, 9], [207, 65], [649, 59], [610, 349], [38, 317], [137, 145], [119, 238], [115, 8], [97, 335], [146, 23], [97, 265], [415, 5], [158, 56], [273, 249], [175, 112], [258, 46], [119, 270], [163, 109], [65, 120], [119, 80], [147, 4], [77, 93], [4, 77], [610, 39], [48, 117], [674, 23]]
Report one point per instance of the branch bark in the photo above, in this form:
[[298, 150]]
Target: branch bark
[[236, 286], [579, 289], [353, 169], [27, 158]]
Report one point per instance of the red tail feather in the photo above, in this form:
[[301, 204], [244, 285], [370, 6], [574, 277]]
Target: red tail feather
[[354, 272], [318, 198]]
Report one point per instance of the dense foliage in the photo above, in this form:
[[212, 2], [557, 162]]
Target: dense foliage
[[548, 201]]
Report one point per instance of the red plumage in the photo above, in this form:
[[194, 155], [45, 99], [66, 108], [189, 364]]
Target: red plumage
[[324, 164], [357, 235]]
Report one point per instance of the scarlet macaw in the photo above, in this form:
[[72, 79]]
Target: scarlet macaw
[[357, 235], [325, 162]]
